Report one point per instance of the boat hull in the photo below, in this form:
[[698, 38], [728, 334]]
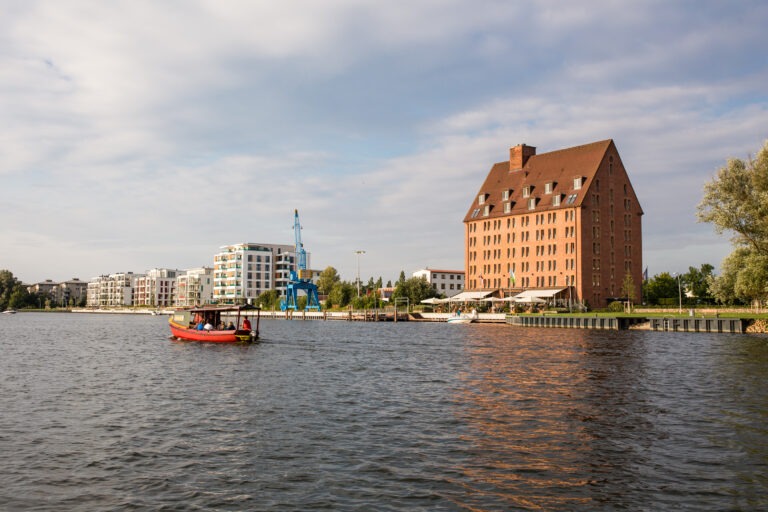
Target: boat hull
[[459, 320], [184, 333]]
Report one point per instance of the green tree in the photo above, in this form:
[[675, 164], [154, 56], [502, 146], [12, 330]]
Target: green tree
[[628, 287], [341, 294], [269, 299], [743, 278], [736, 200], [7, 285], [660, 287], [401, 279], [415, 288], [697, 281], [327, 279]]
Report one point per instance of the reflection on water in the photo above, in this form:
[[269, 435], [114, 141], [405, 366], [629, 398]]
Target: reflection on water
[[580, 419], [105, 413]]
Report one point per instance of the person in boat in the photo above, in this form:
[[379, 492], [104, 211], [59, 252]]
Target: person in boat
[[208, 326], [200, 325], [231, 326], [247, 324]]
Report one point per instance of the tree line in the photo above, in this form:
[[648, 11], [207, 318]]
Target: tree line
[[14, 294], [341, 294]]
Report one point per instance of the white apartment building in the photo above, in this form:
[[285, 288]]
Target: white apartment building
[[156, 288], [111, 290], [446, 282], [194, 287], [242, 272]]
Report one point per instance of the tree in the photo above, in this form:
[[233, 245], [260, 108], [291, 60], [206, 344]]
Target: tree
[[736, 200], [744, 277], [269, 299], [659, 287], [697, 281], [341, 294], [401, 279], [628, 287], [415, 288], [327, 279]]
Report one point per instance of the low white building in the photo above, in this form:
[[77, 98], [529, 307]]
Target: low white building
[[194, 287], [112, 290], [157, 288], [446, 282]]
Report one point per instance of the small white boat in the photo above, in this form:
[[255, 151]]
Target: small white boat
[[9, 312], [462, 318]]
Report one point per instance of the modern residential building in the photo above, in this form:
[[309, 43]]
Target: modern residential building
[[72, 293], [446, 282], [241, 272], [63, 294], [194, 287], [156, 288], [112, 290], [566, 222]]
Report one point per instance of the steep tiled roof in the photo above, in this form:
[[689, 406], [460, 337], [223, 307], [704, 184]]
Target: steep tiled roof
[[559, 168]]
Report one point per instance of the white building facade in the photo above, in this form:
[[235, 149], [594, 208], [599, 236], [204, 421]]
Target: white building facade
[[446, 282], [113, 290], [194, 287], [156, 288], [242, 272]]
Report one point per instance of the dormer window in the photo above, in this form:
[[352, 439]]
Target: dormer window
[[532, 203], [507, 207], [548, 187], [556, 200], [577, 182], [486, 210], [481, 199], [527, 191], [505, 195]]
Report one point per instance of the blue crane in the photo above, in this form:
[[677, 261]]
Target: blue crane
[[300, 277]]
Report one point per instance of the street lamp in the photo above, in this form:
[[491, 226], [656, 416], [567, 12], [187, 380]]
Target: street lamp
[[679, 293], [358, 252]]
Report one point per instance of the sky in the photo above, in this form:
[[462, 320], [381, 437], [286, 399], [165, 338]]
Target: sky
[[139, 135]]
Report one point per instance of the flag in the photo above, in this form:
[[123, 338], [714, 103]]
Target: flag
[[645, 274], [511, 277]]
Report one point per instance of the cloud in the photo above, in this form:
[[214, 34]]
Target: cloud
[[144, 134]]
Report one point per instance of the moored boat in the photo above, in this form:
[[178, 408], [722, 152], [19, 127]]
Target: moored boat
[[462, 318], [216, 324]]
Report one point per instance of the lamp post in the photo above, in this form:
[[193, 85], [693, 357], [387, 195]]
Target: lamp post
[[679, 293], [358, 252]]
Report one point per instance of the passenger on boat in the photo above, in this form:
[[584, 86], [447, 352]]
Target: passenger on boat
[[247, 324], [208, 326], [200, 325], [231, 326]]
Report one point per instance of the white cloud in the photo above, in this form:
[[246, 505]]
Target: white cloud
[[150, 134]]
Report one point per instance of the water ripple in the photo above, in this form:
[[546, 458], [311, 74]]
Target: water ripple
[[105, 413]]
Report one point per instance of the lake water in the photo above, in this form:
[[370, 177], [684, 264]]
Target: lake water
[[104, 412]]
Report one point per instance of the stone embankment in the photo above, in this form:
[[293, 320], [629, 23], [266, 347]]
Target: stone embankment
[[759, 326]]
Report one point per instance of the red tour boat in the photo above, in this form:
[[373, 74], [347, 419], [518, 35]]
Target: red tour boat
[[217, 324]]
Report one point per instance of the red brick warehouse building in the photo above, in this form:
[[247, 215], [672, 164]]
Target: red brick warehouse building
[[567, 221]]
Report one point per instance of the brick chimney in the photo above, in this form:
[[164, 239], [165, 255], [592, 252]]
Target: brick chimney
[[519, 155]]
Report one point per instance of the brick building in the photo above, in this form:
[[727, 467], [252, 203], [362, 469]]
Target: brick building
[[567, 222]]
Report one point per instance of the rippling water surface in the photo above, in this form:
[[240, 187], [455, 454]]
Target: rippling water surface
[[102, 412]]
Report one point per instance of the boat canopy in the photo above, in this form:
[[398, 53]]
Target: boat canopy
[[221, 309]]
